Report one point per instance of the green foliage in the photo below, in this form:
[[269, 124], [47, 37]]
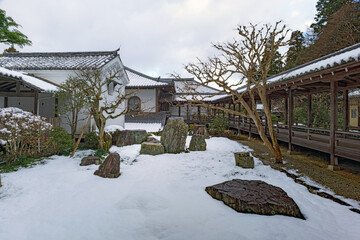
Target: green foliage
[[300, 114], [92, 140], [62, 142], [276, 64], [100, 153], [22, 162], [219, 124], [296, 47], [9, 34], [73, 102], [324, 9]]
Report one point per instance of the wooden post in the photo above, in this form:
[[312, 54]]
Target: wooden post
[[36, 101], [345, 111], [333, 122], [286, 113], [6, 102], [291, 116], [309, 113], [81, 134], [199, 113], [179, 110], [250, 119], [56, 107], [187, 112]]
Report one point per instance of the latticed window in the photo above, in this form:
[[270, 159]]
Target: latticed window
[[134, 104]]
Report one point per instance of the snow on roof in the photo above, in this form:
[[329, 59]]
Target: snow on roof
[[342, 56], [200, 97], [355, 93], [43, 85], [186, 86], [347, 54], [57, 60], [138, 79]]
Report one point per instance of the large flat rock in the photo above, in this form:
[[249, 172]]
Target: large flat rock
[[128, 137], [255, 196]]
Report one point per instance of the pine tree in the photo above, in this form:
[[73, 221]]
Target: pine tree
[[9, 33]]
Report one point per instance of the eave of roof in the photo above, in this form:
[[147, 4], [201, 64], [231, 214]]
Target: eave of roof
[[40, 84]]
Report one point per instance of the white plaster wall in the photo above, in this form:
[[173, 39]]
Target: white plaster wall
[[120, 120], [147, 97], [58, 76]]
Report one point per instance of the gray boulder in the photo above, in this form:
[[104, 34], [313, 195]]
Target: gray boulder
[[174, 135], [128, 137], [152, 140], [90, 160], [244, 160], [197, 143], [254, 196], [110, 168], [151, 148], [201, 130]]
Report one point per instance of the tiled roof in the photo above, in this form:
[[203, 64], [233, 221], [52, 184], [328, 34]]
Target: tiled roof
[[57, 60], [138, 79], [40, 84], [190, 85], [351, 53]]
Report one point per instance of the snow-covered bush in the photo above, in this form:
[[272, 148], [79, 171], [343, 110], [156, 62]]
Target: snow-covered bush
[[23, 133]]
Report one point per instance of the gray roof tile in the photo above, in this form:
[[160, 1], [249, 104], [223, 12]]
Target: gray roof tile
[[57, 60]]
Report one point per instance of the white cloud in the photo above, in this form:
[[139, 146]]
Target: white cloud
[[157, 36]]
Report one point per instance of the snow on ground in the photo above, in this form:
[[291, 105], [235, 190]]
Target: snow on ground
[[157, 197], [149, 127]]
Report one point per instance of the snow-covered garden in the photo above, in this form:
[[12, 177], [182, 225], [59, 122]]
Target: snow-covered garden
[[157, 197]]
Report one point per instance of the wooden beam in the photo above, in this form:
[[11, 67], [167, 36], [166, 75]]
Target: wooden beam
[[333, 121], [14, 94]]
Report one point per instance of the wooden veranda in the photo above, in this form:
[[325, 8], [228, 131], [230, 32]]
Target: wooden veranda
[[338, 141]]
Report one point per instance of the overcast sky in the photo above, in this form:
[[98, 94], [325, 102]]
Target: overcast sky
[[156, 37]]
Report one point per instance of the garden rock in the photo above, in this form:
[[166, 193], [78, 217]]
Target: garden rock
[[110, 168], [174, 135], [244, 160], [90, 160], [201, 130], [197, 143], [152, 140], [128, 137], [151, 148], [254, 196]]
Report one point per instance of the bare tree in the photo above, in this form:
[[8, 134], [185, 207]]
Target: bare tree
[[73, 103], [241, 71], [105, 95]]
